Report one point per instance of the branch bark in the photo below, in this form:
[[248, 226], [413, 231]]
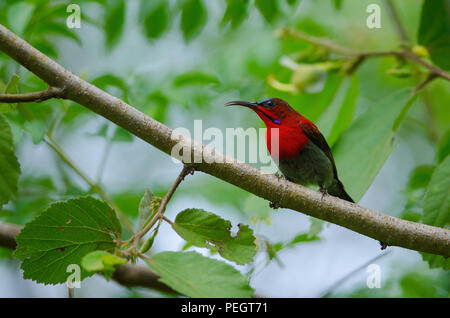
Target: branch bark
[[51, 92], [384, 228], [126, 275]]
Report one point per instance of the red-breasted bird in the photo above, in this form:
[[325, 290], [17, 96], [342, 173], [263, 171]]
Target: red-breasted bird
[[303, 153]]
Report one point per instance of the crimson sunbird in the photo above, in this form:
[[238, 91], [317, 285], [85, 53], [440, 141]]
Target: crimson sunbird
[[304, 156]]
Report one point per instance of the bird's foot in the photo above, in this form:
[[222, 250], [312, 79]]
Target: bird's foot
[[323, 191], [383, 245], [274, 205], [279, 176]]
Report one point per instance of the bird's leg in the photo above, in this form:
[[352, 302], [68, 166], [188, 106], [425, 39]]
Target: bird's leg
[[274, 205], [383, 245], [323, 190], [280, 176]]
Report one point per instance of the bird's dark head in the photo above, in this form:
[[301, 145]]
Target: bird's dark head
[[271, 110]]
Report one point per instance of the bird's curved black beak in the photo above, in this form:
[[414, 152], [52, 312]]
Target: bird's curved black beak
[[242, 103]]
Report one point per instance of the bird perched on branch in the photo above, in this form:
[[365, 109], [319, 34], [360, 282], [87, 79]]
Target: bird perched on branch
[[303, 154]]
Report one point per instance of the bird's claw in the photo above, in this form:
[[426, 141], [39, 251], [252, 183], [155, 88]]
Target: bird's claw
[[323, 191], [383, 245], [279, 176], [274, 205], [189, 170]]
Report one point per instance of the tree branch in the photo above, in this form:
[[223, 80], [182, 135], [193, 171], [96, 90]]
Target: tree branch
[[51, 92], [362, 55], [126, 275], [7, 234], [392, 230]]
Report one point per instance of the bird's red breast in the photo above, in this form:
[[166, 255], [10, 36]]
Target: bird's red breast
[[291, 138]]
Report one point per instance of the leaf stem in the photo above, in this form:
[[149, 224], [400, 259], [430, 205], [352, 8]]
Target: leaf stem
[[37, 97], [162, 208], [430, 77]]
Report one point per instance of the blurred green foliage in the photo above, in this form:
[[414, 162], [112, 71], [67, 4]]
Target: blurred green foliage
[[359, 113]]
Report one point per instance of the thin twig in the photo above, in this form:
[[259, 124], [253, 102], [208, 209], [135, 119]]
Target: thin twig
[[284, 32], [37, 97], [397, 23], [340, 281], [429, 78], [104, 159], [167, 220], [94, 186], [162, 208]]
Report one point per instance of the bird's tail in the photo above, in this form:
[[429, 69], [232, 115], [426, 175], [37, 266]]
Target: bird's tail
[[337, 190]]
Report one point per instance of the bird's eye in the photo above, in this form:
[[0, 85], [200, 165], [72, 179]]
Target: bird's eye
[[270, 103]]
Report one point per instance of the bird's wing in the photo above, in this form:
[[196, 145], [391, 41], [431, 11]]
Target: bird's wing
[[313, 133]]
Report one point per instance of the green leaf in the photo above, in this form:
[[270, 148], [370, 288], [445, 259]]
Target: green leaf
[[156, 19], [37, 129], [107, 81], [193, 18], [156, 107], [204, 229], [436, 261], [338, 116], [411, 216], [434, 31], [292, 2], [54, 28], [145, 208], [195, 78], [194, 275], [415, 285], [314, 104], [236, 12], [122, 135], [114, 21], [46, 47], [102, 262], [11, 88], [101, 132], [256, 206], [62, 235], [9, 166], [436, 208], [311, 236], [337, 4], [148, 243], [302, 238], [420, 177], [444, 146], [268, 9], [364, 147], [315, 228], [19, 15]]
